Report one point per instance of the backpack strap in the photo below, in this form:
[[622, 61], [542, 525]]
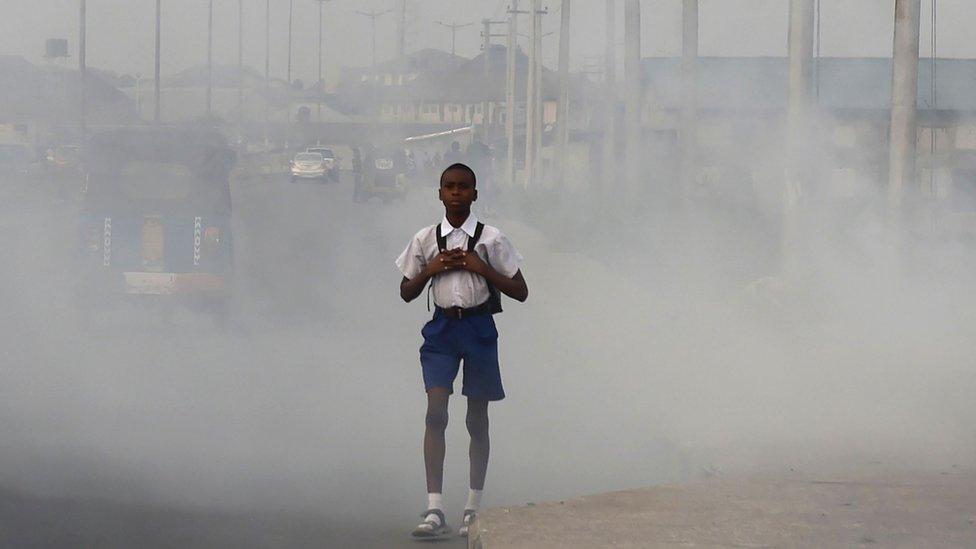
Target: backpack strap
[[478, 229], [441, 246], [441, 240], [494, 296]]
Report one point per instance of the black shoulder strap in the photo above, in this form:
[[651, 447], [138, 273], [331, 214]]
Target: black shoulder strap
[[494, 296], [441, 240], [477, 235]]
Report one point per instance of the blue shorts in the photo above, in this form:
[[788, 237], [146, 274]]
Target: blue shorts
[[448, 341]]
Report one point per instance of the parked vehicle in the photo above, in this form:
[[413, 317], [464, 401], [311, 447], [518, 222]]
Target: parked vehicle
[[308, 165], [156, 216], [384, 175], [329, 160]]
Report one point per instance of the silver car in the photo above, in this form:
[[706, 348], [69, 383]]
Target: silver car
[[308, 165]]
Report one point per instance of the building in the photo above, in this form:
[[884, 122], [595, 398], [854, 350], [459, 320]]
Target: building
[[741, 125]]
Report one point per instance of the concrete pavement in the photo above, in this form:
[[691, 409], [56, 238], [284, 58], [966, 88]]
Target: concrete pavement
[[838, 510]]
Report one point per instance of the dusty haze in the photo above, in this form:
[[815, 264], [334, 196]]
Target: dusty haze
[[657, 345]]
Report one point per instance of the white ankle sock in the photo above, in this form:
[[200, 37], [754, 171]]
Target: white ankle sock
[[435, 501], [474, 499]]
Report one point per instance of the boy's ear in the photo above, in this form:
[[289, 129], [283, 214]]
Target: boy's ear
[[475, 199]]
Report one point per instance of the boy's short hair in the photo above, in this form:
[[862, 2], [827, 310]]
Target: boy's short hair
[[463, 168]]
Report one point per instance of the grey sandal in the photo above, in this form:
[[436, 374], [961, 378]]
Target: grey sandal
[[466, 521], [429, 529]]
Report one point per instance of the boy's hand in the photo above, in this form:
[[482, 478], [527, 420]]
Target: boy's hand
[[448, 260], [473, 262]]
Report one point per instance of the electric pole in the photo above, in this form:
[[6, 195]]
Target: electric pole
[[373, 16], [401, 28], [291, 19], [267, 67], [320, 84], [533, 111], [82, 66], [156, 89], [240, 68], [633, 95], [454, 28], [530, 104], [510, 76], [610, 81], [486, 36], [562, 111], [798, 124], [210, 60], [689, 103], [904, 106]]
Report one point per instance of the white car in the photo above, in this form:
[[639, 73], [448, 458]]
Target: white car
[[308, 165]]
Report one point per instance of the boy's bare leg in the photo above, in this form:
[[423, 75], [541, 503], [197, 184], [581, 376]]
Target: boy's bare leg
[[434, 445], [477, 422]]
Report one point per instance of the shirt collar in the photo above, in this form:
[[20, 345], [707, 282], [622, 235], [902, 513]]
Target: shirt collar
[[470, 224]]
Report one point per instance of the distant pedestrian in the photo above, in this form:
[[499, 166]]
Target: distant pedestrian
[[468, 264], [454, 156]]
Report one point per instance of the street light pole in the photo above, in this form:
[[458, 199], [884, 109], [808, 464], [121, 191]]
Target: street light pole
[[210, 60], [291, 9], [320, 85], [82, 65], [511, 75], [267, 67], [156, 72], [373, 15], [454, 28], [240, 68]]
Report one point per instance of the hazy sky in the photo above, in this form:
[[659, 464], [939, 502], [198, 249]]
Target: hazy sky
[[121, 31]]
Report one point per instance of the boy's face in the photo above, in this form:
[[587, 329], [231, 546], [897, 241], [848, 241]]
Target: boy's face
[[457, 191]]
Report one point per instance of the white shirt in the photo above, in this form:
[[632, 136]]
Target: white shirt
[[460, 288]]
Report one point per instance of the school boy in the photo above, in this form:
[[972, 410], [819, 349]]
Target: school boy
[[469, 263]]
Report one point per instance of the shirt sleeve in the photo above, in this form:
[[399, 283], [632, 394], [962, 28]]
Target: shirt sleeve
[[412, 261], [503, 256]]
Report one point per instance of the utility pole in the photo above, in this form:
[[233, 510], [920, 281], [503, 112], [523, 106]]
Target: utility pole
[[562, 111], [533, 118], [689, 104], [291, 19], [539, 85], [454, 28], [156, 90], [82, 66], [486, 43], [320, 84], [267, 67], [510, 76], [210, 60], [240, 68], [798, 123], [904, 106], [610, 81], [373, 15], [486, 36], [401, 28], [633, 95]]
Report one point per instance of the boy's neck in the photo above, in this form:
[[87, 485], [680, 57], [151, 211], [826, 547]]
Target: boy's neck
[[456, 219]]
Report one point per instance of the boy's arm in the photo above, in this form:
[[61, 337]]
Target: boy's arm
[[410, 288]]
